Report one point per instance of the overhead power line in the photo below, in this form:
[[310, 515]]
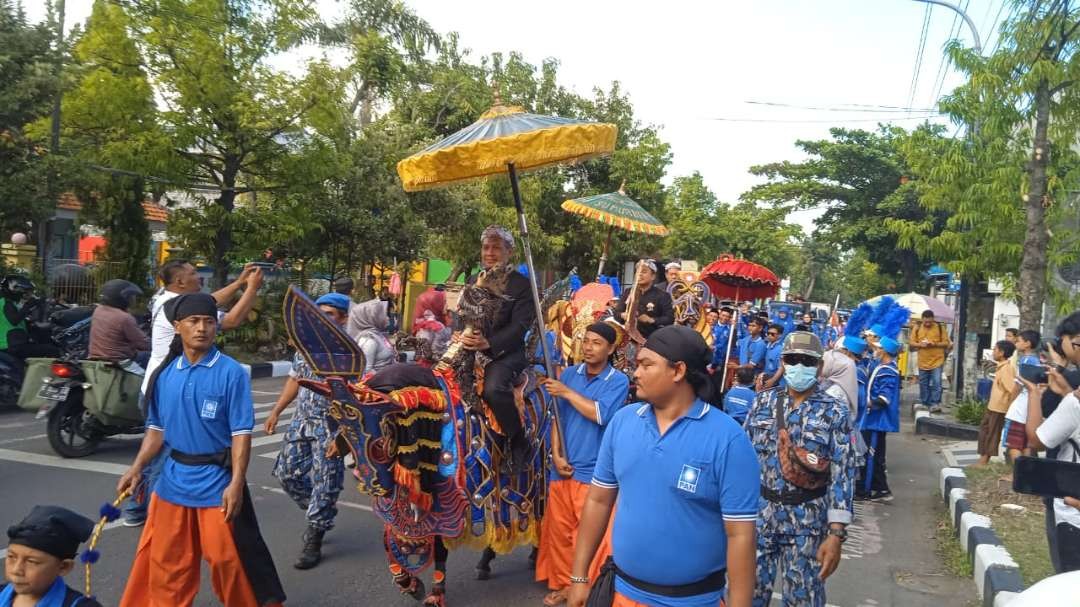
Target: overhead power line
[[855, 108], [919, 54], [834, 121], [939, 77]]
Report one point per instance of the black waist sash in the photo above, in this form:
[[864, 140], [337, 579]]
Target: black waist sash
[[603, 590]]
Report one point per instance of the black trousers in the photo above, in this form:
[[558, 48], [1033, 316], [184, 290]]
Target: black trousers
[[499, 377], [875, 464], [1068, 548]]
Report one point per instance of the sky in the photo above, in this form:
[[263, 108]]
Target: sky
[[691, 66]]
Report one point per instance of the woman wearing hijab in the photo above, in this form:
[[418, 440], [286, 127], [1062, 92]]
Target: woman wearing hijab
[[367, 321]]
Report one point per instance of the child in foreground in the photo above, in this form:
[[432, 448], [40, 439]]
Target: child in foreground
[[41, 551]]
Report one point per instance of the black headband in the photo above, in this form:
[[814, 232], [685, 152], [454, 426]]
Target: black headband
[[190, 304], [678, 343], [603, 330]]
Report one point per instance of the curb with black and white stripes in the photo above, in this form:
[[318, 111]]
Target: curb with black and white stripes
[[997, 576], [276, 368]]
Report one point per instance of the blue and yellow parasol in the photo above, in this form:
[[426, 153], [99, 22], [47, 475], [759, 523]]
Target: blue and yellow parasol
[[617, 210]]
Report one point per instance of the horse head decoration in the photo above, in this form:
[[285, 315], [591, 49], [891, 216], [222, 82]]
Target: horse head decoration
[[426, 448]]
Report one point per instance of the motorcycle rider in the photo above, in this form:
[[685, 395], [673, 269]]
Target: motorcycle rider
[[114, 334], [18, 303]]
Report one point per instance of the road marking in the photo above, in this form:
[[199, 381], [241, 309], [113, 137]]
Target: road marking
[[780, 597], [265, 440], [265, 393], [345, 503], [18, 425], [38, 459], [8, 441]]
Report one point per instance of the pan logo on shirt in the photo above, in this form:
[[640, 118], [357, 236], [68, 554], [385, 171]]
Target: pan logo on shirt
[[649, 307], [209, 409], [688, 478]]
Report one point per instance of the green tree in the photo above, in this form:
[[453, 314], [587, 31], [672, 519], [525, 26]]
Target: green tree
[[855, 176], [703, 227], [235, 121], [1024, 108], [25, 95]]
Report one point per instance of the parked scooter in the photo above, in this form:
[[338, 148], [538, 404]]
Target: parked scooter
[[92, 400]]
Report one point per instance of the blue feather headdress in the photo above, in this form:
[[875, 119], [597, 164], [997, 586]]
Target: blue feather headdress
[[858, 319], [880, 309], [895, 318]]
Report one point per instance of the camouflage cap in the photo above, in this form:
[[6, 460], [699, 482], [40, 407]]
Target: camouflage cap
[[802, 342]]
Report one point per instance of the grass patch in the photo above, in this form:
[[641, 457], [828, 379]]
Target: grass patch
[[1024, 534], [970, 411], [953, 557]]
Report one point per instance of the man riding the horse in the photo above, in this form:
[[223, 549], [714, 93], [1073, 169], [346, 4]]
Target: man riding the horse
[[505, 344]]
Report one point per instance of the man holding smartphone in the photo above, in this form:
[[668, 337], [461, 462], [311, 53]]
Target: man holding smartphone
[[931, 341], [1059, 434]]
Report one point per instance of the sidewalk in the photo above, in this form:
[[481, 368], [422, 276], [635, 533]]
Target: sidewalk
[[890, 558]]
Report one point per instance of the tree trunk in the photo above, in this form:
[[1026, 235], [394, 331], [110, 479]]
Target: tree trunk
[[1032, 286], [810, 285], [457, 270], [223, 238], [908, 269]]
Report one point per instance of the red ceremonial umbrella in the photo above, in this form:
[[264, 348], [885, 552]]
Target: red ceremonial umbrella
[[740, 280]]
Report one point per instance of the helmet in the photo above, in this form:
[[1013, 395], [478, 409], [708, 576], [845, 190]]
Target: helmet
[[803, 342], [16, 286], [119, 293]]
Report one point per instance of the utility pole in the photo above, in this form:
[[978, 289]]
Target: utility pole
[[54, 139], [965, 282]]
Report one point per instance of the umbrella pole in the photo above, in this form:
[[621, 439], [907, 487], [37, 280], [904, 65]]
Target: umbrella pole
[[603, 256], [730, 338], [535, 287]]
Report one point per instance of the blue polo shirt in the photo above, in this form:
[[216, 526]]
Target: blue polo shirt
[[199, 407], [737, 402], [582, 436], [773, 352], [752, 350], [675, 492]]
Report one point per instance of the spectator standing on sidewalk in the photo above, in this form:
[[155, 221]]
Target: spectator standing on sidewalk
[[1014, 436], [1002, 394], [1059, 435], [930, 339]]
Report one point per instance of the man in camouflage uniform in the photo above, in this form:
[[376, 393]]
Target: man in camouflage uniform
[[307, 475], [799, 530]]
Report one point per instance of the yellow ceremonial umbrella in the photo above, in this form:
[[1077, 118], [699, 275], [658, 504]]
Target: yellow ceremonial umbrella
[[508, 140]]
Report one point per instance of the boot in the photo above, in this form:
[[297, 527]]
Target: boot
[[311, 553]]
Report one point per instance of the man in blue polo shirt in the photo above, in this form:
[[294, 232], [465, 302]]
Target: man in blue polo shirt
[[773, 374], [199, 405], [752, 348], [588, 396], [687, 482]]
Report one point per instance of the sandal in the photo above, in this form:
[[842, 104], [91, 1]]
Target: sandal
[[555, 598]]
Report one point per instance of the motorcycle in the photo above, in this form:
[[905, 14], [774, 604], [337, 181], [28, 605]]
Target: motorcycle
[[90, 400], [66, 328]]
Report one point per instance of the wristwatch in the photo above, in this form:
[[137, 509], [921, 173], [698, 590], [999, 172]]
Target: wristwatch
[[840, 533], [578, 580]]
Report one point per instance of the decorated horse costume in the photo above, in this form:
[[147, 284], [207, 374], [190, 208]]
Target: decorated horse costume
[[426, 448]]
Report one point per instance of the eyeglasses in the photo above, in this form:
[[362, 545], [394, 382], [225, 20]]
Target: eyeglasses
[[800, 359]]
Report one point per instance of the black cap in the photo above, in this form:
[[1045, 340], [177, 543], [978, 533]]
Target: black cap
[[52, 529], [603, 330]]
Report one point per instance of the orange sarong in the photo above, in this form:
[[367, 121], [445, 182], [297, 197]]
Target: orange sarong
[[166, 570], [622, 601], [558, 534]]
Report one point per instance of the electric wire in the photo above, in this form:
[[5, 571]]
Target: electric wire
[[919, 54], [939, 77]]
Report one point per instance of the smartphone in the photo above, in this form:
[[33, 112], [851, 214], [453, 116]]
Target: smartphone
[[1046, 477], [1035, 374]]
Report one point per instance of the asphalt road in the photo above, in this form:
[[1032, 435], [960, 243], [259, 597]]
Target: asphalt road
[[890, 559]]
